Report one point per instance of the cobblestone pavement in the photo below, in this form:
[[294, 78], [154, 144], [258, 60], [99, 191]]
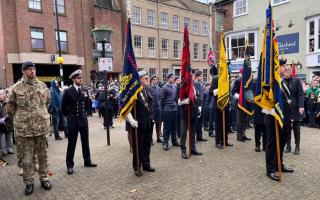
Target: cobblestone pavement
[[234, 173]]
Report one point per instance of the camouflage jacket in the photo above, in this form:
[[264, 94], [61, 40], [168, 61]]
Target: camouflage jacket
[[28, 104]]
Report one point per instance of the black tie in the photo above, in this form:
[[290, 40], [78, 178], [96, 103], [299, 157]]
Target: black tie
[[79, 91]]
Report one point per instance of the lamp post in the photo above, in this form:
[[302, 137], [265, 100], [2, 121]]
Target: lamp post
[[103, 35], [60, 59]]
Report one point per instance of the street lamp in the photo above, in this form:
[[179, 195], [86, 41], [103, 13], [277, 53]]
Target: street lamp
[[60, 60], [103, 35]]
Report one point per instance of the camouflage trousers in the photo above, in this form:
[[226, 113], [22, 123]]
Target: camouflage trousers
[[20, 153], [30, 145]]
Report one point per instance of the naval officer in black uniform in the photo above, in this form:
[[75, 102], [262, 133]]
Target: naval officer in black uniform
[[73, 107], [143, 122]]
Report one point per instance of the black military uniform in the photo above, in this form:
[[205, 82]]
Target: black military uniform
[[271, 148], [218, 119], [74, 108], [144, 117]]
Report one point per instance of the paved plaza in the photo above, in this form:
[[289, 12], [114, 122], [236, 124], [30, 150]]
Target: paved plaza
[[233, 173]]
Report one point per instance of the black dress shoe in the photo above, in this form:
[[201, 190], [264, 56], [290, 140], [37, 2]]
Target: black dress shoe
[[229, 144], [246, 138], [241, 140], [159, 140], [176, 144], [274, 176], [286, 169], [165, 147], [90, 164], [202, 139], [29, 189], [58, 138], [211, 134], [149, 169], [184, 155], [196, 153], [69, 170], [257, 149], [138, 173], [46, 185], [219, 146], [206, 129], [230, 131]]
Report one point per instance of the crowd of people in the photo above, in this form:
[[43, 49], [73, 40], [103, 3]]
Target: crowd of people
[[29, 107]]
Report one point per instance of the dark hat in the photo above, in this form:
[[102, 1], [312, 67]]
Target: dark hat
[[153, 77], [75, 74], [283, 61], [26, 65], [198, 73], [142, 73], [169, 75]]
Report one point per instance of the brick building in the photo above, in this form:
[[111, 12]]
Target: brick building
[[222, 18], [28, 32], [157, 34]]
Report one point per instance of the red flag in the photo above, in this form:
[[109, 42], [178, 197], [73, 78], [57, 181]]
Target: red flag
[[294, 73], [211, 58], [186, 90]]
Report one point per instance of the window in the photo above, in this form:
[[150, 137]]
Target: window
[[205, 75], [152, 72], [235, 44], [136, 15], [151, 18], [165, 72], [151, 47], [195, 26], [37, 39], [311, 36], [240, 8], [165, 48], [204, 51], [205, 28], [196, 51], [61, 7], [164, 20], [186, 21], [63, 41], [175, 22], [278, 2], [176, 49], [34, 4], [138, 45]]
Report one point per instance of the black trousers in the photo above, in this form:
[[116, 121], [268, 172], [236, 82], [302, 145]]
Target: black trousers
[[260, 131], [72, 141], [271, 148], [296, 132], [144, 146], [242, 123], [218, 124]]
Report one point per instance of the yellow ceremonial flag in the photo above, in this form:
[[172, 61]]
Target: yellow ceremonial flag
[[223, 82]]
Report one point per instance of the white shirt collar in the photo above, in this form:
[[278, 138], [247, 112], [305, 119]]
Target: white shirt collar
[[77, 87]]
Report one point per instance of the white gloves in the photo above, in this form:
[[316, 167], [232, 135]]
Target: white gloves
[[199, 107], [183, 102], [131, 121], [236, 96], [215, 92]]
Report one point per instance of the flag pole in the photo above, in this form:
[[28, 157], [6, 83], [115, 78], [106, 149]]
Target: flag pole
[[224, 129], [137, 142], [190, 132], [278, 149]]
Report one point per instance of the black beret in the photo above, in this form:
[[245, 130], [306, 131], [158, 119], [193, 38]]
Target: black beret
[[153, 77], [283, 61], [169, 75], [26, 65], [198, 73]]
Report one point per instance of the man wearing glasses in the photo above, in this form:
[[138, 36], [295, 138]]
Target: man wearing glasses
[[73, 107]]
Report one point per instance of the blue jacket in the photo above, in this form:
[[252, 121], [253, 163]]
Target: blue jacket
[[55, 103], [168, 99]]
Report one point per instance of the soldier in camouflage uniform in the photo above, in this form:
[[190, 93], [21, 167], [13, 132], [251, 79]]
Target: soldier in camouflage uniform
[[28, 103]]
